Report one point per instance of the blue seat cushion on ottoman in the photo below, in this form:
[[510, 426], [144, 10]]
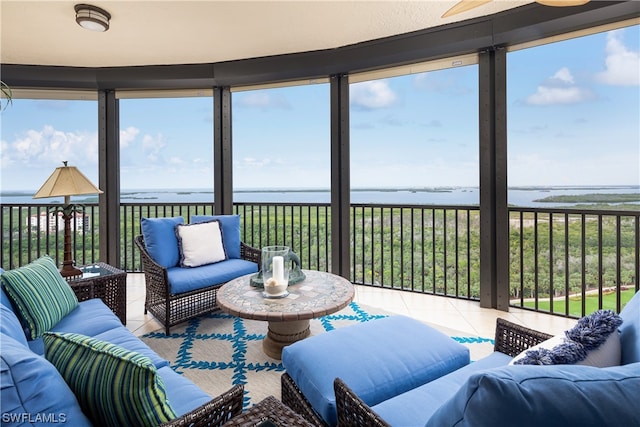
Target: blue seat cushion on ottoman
[[378, 359], [188, 279], [183, 394], [557, 395], [415, 407]]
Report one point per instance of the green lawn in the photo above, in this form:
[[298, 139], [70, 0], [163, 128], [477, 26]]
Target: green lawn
[[591, 303]]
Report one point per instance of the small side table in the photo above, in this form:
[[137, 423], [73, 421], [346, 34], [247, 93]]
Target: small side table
[[269, 409], [103, 281]]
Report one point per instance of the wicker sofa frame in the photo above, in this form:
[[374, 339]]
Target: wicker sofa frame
[[172, 309], [510, 339]]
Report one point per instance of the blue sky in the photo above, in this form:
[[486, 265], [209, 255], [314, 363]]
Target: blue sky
[[573, 119]]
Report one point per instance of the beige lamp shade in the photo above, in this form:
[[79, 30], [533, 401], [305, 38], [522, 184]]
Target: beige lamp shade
[[66, 181]]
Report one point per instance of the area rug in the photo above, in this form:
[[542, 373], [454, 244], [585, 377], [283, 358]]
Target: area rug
[[219, 350]]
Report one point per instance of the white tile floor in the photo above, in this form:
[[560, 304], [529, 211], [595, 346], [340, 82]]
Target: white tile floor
[[456, 314]]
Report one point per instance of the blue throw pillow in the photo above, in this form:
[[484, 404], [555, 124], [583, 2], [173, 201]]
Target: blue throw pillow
[[630, 331], [558, 395], [230, 231], [160, 239]]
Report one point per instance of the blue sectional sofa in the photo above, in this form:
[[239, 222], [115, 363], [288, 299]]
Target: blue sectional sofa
[[182, 273], [492, 392], [47, 336]]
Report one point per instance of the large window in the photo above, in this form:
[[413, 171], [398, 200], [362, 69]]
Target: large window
[[166, 147], [281, 141], [573, 109], [38, 135], [416, 133]]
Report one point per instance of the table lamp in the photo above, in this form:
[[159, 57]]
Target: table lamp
[[67, 181]]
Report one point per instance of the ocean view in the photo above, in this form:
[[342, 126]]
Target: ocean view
[[517, 196]]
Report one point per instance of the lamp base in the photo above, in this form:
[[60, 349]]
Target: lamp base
[[68, 270]]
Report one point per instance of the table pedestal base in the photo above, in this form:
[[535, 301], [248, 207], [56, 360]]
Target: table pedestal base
[[282, 334]]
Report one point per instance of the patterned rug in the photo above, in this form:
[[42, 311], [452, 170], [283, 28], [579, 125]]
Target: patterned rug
[[219, 350]]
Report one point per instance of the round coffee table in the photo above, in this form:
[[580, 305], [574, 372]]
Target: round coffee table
[[317, 295]]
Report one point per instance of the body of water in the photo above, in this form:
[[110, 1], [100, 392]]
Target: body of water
[[517, 196]]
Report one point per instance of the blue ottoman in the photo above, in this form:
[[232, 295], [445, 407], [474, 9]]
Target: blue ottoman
[[378, 359]]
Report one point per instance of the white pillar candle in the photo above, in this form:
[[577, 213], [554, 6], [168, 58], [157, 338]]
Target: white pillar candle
[[278, 269]]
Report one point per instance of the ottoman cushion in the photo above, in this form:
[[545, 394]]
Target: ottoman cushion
[[378, 359]]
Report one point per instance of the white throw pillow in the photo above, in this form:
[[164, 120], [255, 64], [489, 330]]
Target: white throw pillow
[[200, 243], [594, 341]]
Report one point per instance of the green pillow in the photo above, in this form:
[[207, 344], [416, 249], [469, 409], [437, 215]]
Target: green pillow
[[41, 295], [114, 386]]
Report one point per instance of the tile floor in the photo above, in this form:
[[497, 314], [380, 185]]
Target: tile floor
[[464, 316]]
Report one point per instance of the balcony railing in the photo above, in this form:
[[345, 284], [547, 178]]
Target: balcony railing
[[563, 261]]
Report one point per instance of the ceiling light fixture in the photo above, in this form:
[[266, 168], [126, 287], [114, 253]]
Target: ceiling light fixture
[[92, 18]]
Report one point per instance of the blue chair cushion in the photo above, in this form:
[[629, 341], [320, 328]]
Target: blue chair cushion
[[230, 231], [556, 395], [160, 239], [416, 406], [188, 279], [183, 394], [31, 387], [630, 331], [378, 359]]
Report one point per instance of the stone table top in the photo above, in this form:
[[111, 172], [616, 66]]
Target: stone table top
[[319, 294]]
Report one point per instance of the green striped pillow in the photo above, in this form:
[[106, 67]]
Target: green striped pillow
[[114, 386], [40, 294]]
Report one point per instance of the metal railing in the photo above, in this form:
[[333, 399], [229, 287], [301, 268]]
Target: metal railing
[[563, 261]]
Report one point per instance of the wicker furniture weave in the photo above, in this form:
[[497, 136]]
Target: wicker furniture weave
[[110, 285], [270, 409], [214, 413], [171, 309], [510, 339]]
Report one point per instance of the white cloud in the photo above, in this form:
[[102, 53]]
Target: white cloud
[[622, 66], [153, 147], [128, 135], [48, 147], [372, 95], [559, 89]]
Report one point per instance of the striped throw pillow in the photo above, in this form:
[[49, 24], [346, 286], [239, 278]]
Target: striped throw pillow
[[40, 294], [114, 386]]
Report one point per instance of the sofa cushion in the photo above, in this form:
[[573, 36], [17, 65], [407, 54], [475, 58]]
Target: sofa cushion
[[10, 325], [593, 341], [200, 244], [160, 239], [183, 394], [40, 294], [378, 359], [91, 317], [116, 387], [31, 387], [188, 279], [630, 331], [230, 231], [558, 395], [416, 406]]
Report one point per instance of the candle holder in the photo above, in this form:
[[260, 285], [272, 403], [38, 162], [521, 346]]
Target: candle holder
[[275, 271]]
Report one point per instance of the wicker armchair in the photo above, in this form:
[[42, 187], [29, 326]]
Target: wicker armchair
[[510, 339], [172, 309], [215, 412]]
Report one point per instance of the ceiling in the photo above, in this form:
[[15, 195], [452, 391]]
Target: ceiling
[[152, 32]]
